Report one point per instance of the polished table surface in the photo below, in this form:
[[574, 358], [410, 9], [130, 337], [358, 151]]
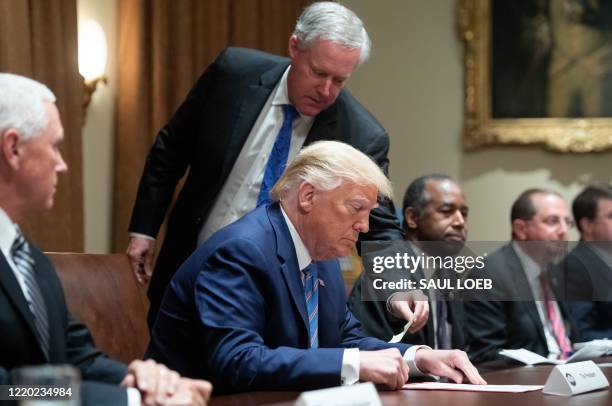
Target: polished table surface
[[517, 376]]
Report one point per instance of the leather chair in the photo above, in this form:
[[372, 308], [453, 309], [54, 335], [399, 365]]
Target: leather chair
[[102, 292]]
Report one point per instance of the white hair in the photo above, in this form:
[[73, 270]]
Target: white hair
[[326, 165], [22, 105], [333, 22]]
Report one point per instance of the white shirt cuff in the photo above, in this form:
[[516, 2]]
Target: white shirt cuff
[[133, 397], [350, 367], [388, 306], [145, 236], [410, 358]]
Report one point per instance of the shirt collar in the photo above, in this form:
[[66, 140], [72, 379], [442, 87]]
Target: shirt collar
[[281, 95], [532, 270], [303, 257], [8, 233]]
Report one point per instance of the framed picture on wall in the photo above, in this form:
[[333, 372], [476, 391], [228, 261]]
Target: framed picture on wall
[[538, 72]]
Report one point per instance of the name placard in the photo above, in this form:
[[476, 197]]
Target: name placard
[[575, 378], [362, 394]]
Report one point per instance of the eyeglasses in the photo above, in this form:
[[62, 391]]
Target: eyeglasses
[[556, 221]]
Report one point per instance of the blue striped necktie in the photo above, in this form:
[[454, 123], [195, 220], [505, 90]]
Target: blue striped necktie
[[25, 267], [311, 291], [278, 157]]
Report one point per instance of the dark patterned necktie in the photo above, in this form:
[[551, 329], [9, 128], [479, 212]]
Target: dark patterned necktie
[[25, 267], [278, 157], [442, 334]]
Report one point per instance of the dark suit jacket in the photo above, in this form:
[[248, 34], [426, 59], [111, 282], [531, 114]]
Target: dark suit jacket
[[589, 291], [206, 134], [70, 341], [377, 322], [494, 324], [235, 313]]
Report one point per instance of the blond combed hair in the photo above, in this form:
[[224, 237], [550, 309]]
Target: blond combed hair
[[326, 165]]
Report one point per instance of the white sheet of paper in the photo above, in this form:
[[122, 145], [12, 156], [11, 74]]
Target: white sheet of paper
[[472, 388], [600, 342], [585, 353], [398, 337], [528, 357], [589, 352]]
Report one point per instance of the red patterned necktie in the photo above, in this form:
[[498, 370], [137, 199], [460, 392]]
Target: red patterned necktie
[[555, 319]]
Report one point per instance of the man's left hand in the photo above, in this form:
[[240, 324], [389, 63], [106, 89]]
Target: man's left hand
[[453, 364], [154, 381]]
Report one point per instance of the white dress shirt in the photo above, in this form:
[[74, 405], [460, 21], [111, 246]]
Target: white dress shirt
[[349, 374], [8, 234], [241, 189], [532, 272]]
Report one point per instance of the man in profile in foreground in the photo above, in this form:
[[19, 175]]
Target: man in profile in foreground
[[37, 328], [260, 305]]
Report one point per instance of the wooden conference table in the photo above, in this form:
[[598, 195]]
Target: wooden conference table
[[518, 376]]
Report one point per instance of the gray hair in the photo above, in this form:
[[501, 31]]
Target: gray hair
[[326, 165], [333, 22], [22, 105]]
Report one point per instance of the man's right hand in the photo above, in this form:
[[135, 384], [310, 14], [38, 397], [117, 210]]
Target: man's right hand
[[141, 252], [383, 367]]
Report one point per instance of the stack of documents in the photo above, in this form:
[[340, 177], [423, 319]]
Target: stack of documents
[[586, 351]]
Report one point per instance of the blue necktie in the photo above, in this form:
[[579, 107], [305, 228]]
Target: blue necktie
[[25, 266], [278, 157], [311, 291]]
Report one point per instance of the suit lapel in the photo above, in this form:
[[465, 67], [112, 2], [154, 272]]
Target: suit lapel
[[517, 274], [324, 126], [288, 259], [12, 289], [328, 332], [249, 108]]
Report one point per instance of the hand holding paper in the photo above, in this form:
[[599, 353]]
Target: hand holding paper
[[410, 306], [398, 337]]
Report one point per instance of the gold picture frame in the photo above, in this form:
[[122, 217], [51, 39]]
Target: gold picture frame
[[482, 129]]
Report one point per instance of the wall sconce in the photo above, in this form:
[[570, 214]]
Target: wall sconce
[[92, 57]]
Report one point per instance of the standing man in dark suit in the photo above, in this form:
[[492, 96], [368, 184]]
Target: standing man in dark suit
[[225, 131], [260, 305], [589, 265], [435, 219], [522, 310], [36, 326]]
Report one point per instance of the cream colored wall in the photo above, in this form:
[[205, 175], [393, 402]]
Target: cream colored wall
[[98, 136], [413, 85]]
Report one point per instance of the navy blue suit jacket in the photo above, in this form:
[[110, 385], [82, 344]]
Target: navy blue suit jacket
[[235, 313]]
